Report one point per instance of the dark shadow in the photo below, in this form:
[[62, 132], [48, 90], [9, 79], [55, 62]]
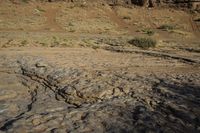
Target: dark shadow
[[178, 117]]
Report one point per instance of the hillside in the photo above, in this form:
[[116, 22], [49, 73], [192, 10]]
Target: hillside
[[99, 66]]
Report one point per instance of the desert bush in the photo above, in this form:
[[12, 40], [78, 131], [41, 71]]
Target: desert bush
[[144, 43], [148, 32]]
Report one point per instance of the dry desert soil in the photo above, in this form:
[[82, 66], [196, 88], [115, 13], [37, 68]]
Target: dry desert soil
[[71, 67]]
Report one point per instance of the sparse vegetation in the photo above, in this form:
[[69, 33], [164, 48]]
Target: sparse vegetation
[[143, 43], [40, 9], [148, 32], [71, 30], [55, 42], [71, 24], [44, 44], [66, 45], [65, 40], [24, 42], [25, 1], [95, 47], [166, 27], [127, 17], [94, 66]]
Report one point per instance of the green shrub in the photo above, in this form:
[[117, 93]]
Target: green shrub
[[144, 43], [166, 27]]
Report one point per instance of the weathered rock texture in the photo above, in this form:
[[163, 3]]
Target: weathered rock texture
[[51, 98]]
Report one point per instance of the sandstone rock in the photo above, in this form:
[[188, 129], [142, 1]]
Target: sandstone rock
[[36, 122], [107, 101]]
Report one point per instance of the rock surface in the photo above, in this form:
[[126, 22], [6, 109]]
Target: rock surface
[[50, 97]]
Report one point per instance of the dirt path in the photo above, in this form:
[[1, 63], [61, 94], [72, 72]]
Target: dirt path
[[51, 24]]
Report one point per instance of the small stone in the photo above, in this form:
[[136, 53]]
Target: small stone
[[41, 64], [36, 122], [40, 128], [171, 118], [141, 109]]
